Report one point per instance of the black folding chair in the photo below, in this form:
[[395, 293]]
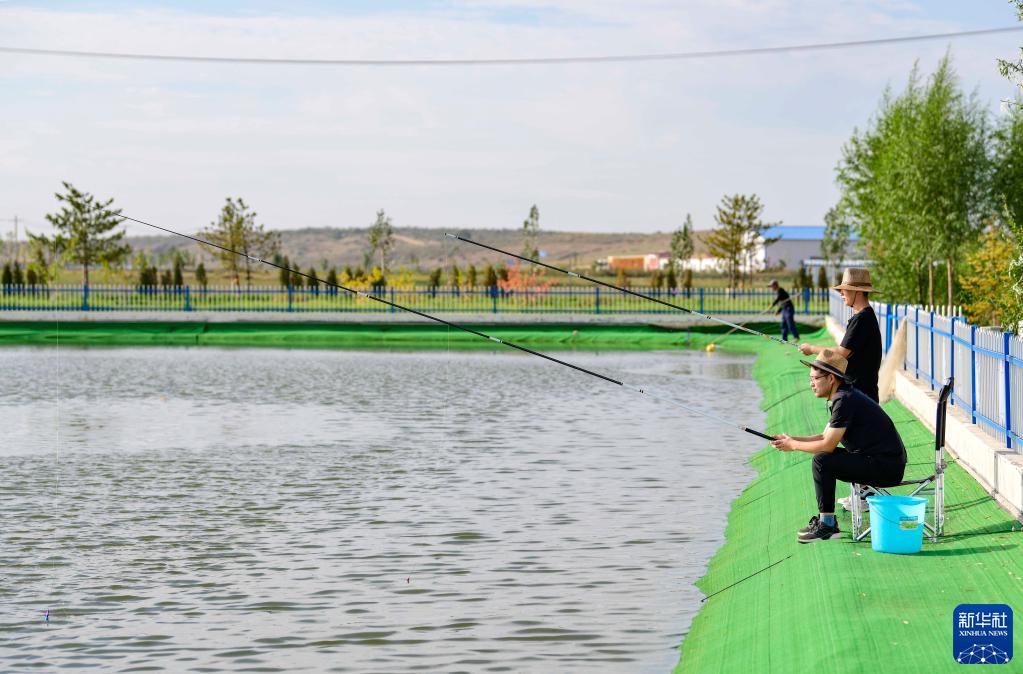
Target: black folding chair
[[934, 483]]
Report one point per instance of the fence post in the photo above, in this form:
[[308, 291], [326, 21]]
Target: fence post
[[597, 295], [952, 358], [1008, 391], [701, 300], [931, 373], [493, 298], [289, 296], [888, 328], [392, 299], [973, 374], [806, 300], [188, 299], [85, 297]]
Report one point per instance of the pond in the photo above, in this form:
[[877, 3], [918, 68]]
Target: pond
[[204, 509]]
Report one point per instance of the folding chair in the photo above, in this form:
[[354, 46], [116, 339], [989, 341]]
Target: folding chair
[[932, 483]]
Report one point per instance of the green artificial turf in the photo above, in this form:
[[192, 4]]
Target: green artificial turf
[[838, 606]]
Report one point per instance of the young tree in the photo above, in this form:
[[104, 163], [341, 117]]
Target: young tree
[[822, 277], [30, 277], [682, 245], [670, 279], [312, 280], [44, 258], [284, 275], [738, 234], [434, 282], [687, 282], [381, 238], [490, 277], [7, 277], [332, 281], [837, 232], [987, 279], [917, 183], [83, 231], [621, 279], [179, 276], [166, 279], [200, 275], [470, 276], [531, 234], [18, 278], [236, 229], [456, 276]]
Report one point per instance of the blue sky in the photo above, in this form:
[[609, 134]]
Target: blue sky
[[599, 147]]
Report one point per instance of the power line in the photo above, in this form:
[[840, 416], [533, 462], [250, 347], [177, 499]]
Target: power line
[[548, 60]]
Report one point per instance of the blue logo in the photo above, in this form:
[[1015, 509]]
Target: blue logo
[[982, 634]]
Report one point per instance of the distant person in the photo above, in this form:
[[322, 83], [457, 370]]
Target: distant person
[[787, 311], [871, 453], [861, 345]]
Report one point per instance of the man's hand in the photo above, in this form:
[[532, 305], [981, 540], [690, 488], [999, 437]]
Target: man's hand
[[807, 349], [783, 442]]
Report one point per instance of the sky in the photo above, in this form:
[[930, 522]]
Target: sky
[[600, 147]]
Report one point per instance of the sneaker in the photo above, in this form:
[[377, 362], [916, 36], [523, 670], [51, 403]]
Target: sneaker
[[809, 525], [820, 532], [847, 503]]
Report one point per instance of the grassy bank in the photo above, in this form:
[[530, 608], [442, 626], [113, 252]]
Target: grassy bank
[[356, 336], [838, 606]]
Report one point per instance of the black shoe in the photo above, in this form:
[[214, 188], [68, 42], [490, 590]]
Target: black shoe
[[820, 532], [809, 526]]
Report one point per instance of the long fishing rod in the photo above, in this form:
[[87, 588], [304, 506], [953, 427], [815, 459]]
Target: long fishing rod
[[463, 328], [734, 326]]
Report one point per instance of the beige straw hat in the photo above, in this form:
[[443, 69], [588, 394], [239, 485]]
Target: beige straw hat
[[856, 278], [830, 361]]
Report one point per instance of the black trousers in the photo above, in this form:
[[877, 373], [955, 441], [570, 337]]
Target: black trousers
[[841, 465]]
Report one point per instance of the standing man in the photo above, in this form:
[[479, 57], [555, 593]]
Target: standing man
[[787, 311], [861, 345], [872, 452]]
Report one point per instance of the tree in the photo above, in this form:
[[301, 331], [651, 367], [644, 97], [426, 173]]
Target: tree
[[822, 277], [381, 237], [30, 277], [7, 277], [687, 283], [987, 279], [179, 276], [18, 279], [44, 257], [739, 233], [470, 276], [332, 281], [434, 281], [490, 277], [670, 279], [236, 229], [621, 279], [916, 183], [837, 232], [200, 275], [682, 245], [284, 274], [1013, 70], [456, 276], [83, 231], [312, 280], [166, 280], [531, 234]]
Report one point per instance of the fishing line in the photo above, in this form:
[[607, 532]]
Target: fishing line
[[726, 587], [469, 330], [734, 326]]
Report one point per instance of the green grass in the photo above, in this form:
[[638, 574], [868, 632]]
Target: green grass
[[838, 606]]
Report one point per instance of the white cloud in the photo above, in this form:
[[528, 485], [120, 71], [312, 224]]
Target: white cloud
[[598, 147]]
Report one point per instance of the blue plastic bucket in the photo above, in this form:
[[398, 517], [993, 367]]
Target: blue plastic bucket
[[897, 523]]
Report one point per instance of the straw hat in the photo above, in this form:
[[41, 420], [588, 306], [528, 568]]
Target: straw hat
[[831, 362], [856, 278]]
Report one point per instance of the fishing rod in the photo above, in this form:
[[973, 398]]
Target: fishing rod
[[734, 326], [463, 328]]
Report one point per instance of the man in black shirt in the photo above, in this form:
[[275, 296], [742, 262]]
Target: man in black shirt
[[787, 311], [861, 345], [871, 453]]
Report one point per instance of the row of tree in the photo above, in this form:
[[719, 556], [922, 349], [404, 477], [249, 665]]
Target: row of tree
[[929, 184]]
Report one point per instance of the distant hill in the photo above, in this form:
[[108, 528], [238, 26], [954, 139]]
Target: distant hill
[[429, 248]]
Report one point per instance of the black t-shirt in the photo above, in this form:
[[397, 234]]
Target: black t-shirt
[[868, 430], [863, 338], [782, 299]]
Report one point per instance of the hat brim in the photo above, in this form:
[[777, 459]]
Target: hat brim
[[862, 289], [824, 367]]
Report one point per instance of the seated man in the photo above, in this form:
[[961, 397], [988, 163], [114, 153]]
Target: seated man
[[872, 451]]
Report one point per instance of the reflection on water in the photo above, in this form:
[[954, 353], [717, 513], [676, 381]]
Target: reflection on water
[[305, 511]]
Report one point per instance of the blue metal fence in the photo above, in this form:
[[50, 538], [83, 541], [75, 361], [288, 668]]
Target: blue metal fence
[[987, 363], [552, 300]]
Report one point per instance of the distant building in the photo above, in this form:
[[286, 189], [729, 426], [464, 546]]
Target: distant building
[[802, 245], [648, 262]]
